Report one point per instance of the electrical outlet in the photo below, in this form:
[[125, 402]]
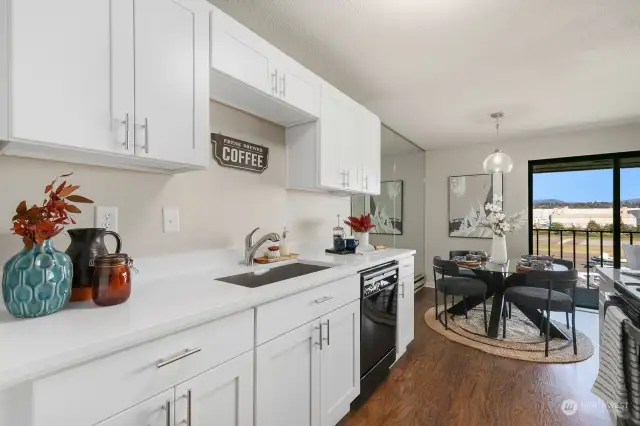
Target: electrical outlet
[[171, 219], [107, 217]]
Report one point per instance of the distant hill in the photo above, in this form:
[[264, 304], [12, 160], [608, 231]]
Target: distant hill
[[550, 203]]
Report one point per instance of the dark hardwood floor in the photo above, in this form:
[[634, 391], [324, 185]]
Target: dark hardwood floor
[[439, 382]]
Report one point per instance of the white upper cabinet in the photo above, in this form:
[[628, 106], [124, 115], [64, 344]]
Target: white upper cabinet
[[241, 54], [172, 46], [298, 86], [71, 75], [370, 151], [341, 152], [250, 74], [79, 80]]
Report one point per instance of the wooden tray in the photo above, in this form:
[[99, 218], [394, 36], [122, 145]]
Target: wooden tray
[[265, 259], [470, 264]]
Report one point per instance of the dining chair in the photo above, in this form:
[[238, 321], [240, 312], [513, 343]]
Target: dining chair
[[451, 282], [569, 265], [462, 272], [550, 291]]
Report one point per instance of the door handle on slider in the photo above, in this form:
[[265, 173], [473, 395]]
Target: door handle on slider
[[187, 352], [323, 299]]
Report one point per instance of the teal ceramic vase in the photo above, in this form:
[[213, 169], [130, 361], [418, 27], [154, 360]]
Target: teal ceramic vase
[[37, 281]]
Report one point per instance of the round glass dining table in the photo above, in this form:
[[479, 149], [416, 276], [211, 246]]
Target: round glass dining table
[[498, 278]]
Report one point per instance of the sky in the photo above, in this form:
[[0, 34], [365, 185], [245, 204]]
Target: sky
[[588, 185]]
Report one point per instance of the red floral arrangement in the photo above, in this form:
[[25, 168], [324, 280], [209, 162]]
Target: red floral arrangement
[[360, 224], [40, 223]]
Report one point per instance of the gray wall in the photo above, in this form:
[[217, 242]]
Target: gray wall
[[218, 206], [410, 168], [463, 160]]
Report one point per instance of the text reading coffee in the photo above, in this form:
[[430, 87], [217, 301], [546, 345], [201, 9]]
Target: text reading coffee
[[231, 152]]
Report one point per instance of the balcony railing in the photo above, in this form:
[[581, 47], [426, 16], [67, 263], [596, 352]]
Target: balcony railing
[[587, 248]]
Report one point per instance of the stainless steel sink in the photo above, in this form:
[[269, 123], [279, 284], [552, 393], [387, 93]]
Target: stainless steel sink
[[266, 276]]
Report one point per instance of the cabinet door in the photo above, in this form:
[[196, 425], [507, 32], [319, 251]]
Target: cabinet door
[[370, 145], [340, 362], [405, 315], [288, 379], [172, 80], [241, 54], [71, 69], [157, 411], [350, 152], [222, 396], [299, 87], [331, 138]]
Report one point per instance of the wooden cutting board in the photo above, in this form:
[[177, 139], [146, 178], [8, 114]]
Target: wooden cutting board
[[265, 259]]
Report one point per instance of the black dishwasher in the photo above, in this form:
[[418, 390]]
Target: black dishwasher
[[378, 321]]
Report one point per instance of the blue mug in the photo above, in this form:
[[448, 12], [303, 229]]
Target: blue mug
[[351, 243]]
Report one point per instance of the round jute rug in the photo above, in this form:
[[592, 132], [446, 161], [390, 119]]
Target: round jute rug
[[523, 339]]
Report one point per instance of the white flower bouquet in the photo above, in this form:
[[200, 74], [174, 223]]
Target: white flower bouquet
[[498, 221]]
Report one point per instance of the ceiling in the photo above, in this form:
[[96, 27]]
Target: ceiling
[[394, 144], [435, 69]]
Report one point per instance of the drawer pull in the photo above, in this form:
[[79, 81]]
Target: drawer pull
[[323, 299], [183, 354]]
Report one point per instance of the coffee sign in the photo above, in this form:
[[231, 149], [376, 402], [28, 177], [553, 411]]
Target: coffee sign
[[230, 152]]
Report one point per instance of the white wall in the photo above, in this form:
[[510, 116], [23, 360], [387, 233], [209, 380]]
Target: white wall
[[462, 160], [410, 169], [218, 206]]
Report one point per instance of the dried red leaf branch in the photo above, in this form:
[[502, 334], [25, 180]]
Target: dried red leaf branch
[[360, 224], [39, 223]]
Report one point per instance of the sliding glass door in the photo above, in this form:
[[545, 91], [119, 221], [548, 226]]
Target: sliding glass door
[[585, 209]]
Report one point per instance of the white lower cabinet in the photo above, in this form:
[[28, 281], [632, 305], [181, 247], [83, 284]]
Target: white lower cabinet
[[340, 363], [406, 307], [310, 375], [155, 411], [222, 396]]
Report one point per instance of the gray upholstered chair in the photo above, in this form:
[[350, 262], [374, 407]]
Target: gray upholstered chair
[[550, 291], [451, 282]]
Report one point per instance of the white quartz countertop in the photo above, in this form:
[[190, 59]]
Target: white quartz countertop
[[170, 294], [613, 275]]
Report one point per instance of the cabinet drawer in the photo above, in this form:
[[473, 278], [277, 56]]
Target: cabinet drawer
[[91, 392], [280, 316], [406, 267]]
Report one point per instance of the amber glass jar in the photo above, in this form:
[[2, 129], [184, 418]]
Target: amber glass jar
[[111, 282]]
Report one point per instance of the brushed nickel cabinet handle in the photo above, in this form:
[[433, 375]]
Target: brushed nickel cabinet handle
[[189, 407], [402, 285], [146, 136], [274, 83], [323, 299], [126, 131], [320, 341], [167, 409], [328, 333], [283, 88], [187, 352]]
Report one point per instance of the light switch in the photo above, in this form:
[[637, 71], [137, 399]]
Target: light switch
[[171, 219]]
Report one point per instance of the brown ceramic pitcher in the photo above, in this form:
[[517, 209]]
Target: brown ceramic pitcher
[[86, 244]]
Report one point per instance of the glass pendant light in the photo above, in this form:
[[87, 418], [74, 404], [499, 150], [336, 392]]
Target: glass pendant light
[[498, 162]]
